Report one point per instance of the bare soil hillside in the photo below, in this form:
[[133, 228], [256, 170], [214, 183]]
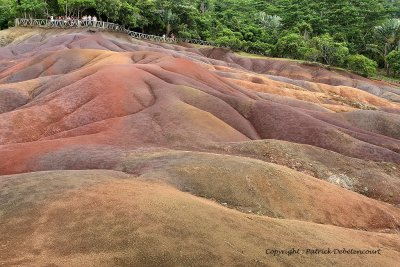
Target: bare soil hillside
[[121, 152]]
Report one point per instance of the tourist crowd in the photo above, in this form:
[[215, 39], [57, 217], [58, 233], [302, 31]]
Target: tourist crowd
[[69, 18], [91, 21]]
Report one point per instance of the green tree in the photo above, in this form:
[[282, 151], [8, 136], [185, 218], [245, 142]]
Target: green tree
[[310, 53], [129, 15], [393, 60], [174, 13], [32, 8], [109, 8], [169, 18], [259, 47], [227, 37], [362, 65], [148, 19], [205, 6], [326, 31], [7, 12], [75, 7], [305, 29], [387, 38], [392, 8], [354, 19], [272, 23], [330, 52], [291, 45]]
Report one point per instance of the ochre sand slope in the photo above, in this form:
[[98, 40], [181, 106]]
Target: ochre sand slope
[[189, 156], [104, 218]]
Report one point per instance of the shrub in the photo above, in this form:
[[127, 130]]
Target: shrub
[[330, 52], [393, 60], [260, 48], [291, 46], [231, 42], [341, 55], [362, 65], [309, 53]]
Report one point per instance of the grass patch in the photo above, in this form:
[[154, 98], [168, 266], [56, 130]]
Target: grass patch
[[303, 62], [381, 75]]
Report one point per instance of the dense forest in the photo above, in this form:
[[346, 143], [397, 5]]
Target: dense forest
[[356, 34]]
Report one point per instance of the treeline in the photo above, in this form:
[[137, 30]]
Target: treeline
[[356, 34]]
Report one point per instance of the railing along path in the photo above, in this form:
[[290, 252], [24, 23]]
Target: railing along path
[[103, 26]]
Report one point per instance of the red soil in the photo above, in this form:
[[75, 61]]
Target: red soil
[[81, 101]]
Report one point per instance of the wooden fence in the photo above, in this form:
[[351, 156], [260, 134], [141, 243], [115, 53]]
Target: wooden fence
[[103, 26]]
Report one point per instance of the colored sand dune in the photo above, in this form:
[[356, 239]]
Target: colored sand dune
[[120, 152]]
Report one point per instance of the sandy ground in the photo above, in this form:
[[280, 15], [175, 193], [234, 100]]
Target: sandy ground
[[120, 152]]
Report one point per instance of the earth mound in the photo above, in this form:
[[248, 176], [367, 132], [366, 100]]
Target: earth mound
[[122, 152]]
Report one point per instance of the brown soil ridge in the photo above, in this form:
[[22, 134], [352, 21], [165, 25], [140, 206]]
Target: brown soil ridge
[[148, 223], [120, 152]]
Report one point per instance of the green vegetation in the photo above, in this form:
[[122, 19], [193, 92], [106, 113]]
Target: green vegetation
[[7, 13], [393, 60], [362, 65], [325, 31], [387, 39]]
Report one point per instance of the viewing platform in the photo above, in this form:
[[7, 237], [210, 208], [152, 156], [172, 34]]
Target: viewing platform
[[102, 26]]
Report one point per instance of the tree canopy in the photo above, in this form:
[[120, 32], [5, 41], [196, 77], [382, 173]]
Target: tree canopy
[[326, 31]]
